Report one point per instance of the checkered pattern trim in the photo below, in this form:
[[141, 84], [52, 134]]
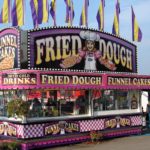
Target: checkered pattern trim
[[136, 120], [30, 131], [88, 125], [20, 131]]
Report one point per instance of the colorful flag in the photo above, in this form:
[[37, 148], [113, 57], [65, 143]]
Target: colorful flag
[[100, 15], [68, 8], [42, 11], [84, 14], [69, 12], [5, 16], [18, 13], [34, 11], [53, 11], [136, 31], [39, 9], [115, 29], [71, 15]]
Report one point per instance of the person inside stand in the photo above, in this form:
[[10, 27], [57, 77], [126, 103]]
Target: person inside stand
[[81, 105], [37, 107], [49, 107]]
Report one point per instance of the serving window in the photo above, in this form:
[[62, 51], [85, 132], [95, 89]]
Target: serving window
[[53, 103], [104, 100], [48, 103], [56, 103]]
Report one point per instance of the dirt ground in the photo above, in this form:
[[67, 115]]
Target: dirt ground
[[125, 143]]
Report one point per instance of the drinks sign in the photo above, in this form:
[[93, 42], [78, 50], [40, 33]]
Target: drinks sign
[[80, 49], [19, 79]]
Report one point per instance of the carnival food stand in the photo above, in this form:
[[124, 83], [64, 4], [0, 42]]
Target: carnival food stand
[[74, 80]]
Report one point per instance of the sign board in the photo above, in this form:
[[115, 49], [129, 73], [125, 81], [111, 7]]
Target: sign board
[[80, 49], [19, 79]]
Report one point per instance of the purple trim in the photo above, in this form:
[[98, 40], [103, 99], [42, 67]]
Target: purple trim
[[54, 142]]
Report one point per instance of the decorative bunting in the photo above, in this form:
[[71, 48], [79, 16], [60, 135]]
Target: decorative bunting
[[5, 16], [100, 15], [18, 13], [136, 31]]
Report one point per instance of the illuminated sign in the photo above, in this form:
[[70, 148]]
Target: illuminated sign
[[80, 49], [19, 79], [70, 79], [9, 49], [126, 81]]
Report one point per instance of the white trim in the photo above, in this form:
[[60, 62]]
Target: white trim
[[116, 112]]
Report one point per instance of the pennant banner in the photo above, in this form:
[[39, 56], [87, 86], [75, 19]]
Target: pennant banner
[[100, 16], [18, 13], [115, 29], [68, 8], [5, 13], [69, 12], [136, 31], [34, 11], [42, 11], [39, 9], [53, 11], [84, 14]]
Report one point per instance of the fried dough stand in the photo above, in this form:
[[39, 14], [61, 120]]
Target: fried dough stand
[[73, 80]]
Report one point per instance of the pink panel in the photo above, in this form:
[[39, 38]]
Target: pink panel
[[88, 125], [136, 120]]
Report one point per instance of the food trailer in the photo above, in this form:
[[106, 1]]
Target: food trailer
[[73, 80]]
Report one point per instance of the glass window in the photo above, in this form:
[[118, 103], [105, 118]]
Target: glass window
[[104, 100], [48, 103], [53, 103], [5, 97], [115, 99]]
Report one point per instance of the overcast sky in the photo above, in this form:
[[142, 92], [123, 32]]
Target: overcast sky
[[142, 12]]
